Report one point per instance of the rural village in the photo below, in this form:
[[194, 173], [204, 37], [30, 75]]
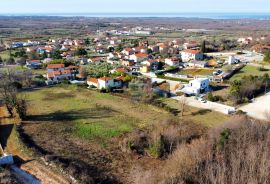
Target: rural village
[[121, 91]]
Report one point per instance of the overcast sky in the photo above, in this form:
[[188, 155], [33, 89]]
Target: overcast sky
[[133, 6]]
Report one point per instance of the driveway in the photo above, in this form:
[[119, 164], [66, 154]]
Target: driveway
[[191, 101], [258, 108]]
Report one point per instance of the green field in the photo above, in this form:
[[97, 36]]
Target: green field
[[248, 70], [90, 114]]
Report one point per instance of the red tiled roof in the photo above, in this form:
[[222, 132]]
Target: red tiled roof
[[53, 66], [105, 78], [120, 78], [93, 80], [141, 55], [121, 70], [191, 51], [128, 49]]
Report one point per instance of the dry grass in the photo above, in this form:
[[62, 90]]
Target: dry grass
[[206, 117]]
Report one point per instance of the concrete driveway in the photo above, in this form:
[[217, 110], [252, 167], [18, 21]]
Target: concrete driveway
[[258, 108], [191, 101]]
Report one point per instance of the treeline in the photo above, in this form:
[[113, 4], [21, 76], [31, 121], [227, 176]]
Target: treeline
[[248, 87]]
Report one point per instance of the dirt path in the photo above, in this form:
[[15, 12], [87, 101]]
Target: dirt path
[[29, 164]]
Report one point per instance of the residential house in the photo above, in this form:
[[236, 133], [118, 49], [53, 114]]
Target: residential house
[[92, 82], [141, 49], [153, 64], [144, 68], [105, 82], [197, 86], [190, 45], [172, 61], [154, 48], [127, 62], [115, 41], [57, 72], [197, 64], [188, 55], [128, 51], [34, 64], [137, 58], [96, 60]]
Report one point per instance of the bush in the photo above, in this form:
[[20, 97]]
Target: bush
[[232, 153], [157, 147]]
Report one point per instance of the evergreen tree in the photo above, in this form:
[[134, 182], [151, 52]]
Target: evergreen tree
[[203, 47]]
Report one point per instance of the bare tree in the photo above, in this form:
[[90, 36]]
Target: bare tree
[[13, 101], [183, 104]]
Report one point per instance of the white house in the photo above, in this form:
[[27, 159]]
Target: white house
[[189, 54], [196, 86], [172, 61], [55, 67], [197, 64], [232, 60], [105, 82], [138, 57]]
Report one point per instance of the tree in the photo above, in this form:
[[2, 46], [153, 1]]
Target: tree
[[183, 104], [21, 61], [57, 55], [83, 73], [81, 52], [9, 92], [203, 47], [87, 41], [267, 56]]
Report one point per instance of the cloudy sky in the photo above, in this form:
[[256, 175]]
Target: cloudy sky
[[135, 6]]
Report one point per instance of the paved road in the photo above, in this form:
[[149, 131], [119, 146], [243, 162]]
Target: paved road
[[191, 101], [258, 108]]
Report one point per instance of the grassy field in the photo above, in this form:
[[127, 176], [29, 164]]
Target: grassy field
[[93, 115], [65, 118], [196, 72], [248, 70], [206, 117]]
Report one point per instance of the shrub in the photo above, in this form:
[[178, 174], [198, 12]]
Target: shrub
[[236, 152]]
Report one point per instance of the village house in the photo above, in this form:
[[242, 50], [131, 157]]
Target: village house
[[197, 64], [196, 86], [190, 45], [140, 49], [34, 64], [245, 41], [172, 61], [188, 55], [137, 58], [57, 72], [96, 60], [144, 68], [154, 48], [105, 82], [127, 62], [115, 41], [128, 51]]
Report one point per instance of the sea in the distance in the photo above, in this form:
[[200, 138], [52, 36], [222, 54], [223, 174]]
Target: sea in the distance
[[171, 15]]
